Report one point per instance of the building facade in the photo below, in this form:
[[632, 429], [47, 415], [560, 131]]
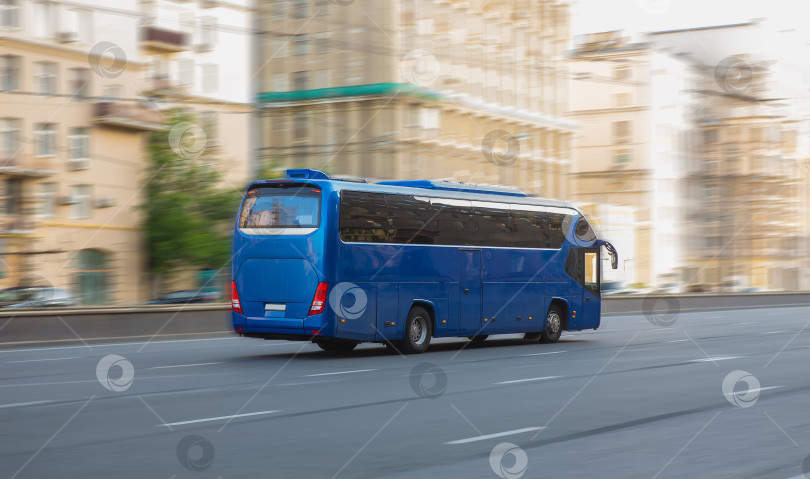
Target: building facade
[[80, 88], [475, 91]]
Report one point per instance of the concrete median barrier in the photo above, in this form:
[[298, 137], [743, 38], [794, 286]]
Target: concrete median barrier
[[21, 328]]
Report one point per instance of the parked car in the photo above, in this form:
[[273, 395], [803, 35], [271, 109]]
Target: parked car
[[36, 297], [184, 297]]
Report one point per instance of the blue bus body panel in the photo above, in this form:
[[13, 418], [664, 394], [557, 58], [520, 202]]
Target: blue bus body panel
[[512, 286]]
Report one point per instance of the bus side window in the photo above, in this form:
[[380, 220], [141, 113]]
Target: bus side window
[[413, 219], [364, 218], [453, 222], [495, 226]]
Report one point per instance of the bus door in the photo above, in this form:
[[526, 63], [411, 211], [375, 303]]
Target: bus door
[[469, 308], [591, 300]]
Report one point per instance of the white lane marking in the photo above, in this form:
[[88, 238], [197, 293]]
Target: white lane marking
[[218, 418], [756, 390], [712, 359], [47, 359], [527, 380], [677, 341], [185, 365], [542, 354], [497, 434], [340, 372], [19, 404], [776, 332], [104, 345]]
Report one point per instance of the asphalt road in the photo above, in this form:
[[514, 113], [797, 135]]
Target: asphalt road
[[633, 399]]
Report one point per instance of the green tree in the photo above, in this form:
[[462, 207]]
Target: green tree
[[188, 213]]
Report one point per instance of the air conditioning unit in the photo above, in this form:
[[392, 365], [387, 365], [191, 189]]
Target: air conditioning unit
[[67, 37], [106, 202], [78, 164], [204, 47], [68, 200]]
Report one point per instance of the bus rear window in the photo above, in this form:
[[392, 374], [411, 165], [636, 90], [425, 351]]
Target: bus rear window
[[281, 208]]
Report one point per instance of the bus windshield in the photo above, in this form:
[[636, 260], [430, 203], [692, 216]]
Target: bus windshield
[[281, 208]]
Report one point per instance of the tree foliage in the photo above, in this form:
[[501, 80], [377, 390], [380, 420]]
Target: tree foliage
[[188, 213]]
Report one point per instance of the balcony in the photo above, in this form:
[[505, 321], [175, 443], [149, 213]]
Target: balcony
[[129, 115], [156, 40], [22, 165]]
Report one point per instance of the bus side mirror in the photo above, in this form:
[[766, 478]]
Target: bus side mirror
[[614, 256]]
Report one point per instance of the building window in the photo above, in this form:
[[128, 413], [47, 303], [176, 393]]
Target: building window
[[10, 135], [92, 276], [622, 130], [210, 78], [13, 198], [622, 100], [79, 144], [208, 32], [322, 42], [80, 83], [9, 13], [185, 72], [280, 82], [81, 197], [278, 47], [301, 125], [300, 8], [77, 24], [45, 79], [622, 157], [622, 72], [277, 12], [321, 79], [300, 45], [10, 72], [300, 80], [47, 200], [210, 125], [45, 19], [45, 138]]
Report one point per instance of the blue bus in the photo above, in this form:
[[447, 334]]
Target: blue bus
[[339, 262]]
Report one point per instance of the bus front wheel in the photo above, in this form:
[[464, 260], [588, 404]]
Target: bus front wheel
[[418, 331], [554, 323], [336, 346]]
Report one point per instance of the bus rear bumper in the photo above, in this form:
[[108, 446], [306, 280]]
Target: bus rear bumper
[[311, 326]]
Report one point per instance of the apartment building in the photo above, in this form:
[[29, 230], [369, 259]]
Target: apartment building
[[475, 91], [631, 102], [80, 87]]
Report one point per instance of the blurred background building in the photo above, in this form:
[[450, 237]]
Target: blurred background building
[[475, 91], [80, 85]]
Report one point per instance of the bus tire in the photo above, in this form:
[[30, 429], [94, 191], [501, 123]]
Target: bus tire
[[336, 346], [554, 322], [418, 330], [478, 339]]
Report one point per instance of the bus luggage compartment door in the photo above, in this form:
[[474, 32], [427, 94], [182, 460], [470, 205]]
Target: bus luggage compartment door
[[470, 293]]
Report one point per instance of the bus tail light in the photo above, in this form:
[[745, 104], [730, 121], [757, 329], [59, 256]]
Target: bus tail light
[[236, 305], [319, 300]]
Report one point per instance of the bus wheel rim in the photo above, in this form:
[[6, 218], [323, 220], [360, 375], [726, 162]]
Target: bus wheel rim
[[554, 322], [418, 330]]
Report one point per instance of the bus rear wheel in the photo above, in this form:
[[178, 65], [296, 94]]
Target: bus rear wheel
[[553, 325], [336, 346], [418, 330]]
